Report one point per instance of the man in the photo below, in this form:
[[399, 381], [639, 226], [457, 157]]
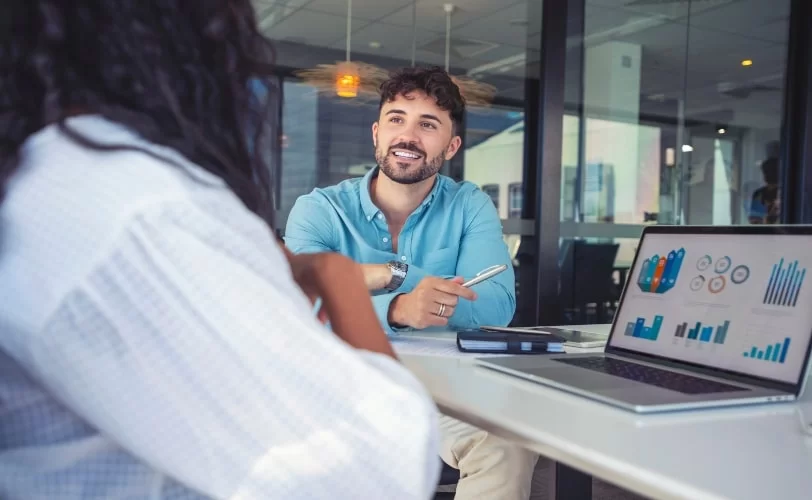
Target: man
[[155, 340], [765, 205], [418, 235], [410, 227]]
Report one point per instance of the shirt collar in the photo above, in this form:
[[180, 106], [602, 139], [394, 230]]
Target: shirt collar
[[371, 210]]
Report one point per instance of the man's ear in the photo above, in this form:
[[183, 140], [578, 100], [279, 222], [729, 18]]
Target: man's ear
[[453, 147], [375, 134]]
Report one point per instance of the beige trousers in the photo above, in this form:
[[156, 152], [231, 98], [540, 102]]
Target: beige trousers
[[490, 467]]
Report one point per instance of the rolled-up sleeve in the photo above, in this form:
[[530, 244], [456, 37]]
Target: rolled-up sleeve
[[190, 346], [483, 246], [383, 301]]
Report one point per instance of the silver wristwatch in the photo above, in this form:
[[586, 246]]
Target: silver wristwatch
[[399, 270]]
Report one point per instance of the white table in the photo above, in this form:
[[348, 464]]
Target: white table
[[757, 453]]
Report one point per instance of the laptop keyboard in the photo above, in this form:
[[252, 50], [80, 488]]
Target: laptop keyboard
[[666, 379]]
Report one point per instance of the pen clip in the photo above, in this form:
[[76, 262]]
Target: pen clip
[[480, 273]]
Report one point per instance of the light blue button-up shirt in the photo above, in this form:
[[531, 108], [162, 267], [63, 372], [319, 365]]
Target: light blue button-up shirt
[[456, 231]]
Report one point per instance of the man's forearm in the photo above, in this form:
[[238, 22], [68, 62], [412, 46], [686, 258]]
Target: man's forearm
[[376, 276], [495, 306]]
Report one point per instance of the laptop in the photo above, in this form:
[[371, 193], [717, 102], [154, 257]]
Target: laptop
[[709, 317]]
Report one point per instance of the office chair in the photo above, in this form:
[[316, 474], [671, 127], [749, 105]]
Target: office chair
[[448, 476], [587, 271]]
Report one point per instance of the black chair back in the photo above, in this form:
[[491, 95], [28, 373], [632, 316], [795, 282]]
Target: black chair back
[[587, 273]]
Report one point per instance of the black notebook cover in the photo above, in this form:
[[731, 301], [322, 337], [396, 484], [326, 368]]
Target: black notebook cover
[[481, 341]]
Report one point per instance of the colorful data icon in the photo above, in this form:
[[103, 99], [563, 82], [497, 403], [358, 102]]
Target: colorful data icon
[[704, 262], [717, 284], [658, 274], [697, 283], [740, 274], [722, 265]]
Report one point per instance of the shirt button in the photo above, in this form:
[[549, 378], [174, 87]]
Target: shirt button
[[385, 239], [380, 216], [369, 218], [403, 258]]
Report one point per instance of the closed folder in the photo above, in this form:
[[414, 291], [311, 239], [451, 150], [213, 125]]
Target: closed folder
[[482, 341]]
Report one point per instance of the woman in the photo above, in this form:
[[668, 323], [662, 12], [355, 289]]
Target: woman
[[156, 341]]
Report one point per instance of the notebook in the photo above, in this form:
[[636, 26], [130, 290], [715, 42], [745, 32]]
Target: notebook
[[572, 338], [508, 342]]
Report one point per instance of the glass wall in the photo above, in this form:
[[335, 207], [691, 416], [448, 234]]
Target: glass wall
[[327, 138], [673, 116]]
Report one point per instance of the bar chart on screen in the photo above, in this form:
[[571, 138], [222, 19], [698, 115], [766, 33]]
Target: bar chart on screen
[[785, 284], [773, 353], [710, 334], [638, 329]]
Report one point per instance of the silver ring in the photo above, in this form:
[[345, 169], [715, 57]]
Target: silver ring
[[441, 311]]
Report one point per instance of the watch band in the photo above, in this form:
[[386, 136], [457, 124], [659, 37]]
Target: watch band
[[399, 270]]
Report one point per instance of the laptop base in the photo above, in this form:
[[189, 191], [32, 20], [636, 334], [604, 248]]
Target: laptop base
[[623, 393]]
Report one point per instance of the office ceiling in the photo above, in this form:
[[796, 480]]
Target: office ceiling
[[493, 39]]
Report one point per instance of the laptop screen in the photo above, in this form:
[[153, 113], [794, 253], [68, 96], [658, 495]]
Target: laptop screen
[[737, 302]]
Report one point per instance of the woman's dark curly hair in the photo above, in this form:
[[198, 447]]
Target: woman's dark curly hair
[[193, 75], [434, 82]]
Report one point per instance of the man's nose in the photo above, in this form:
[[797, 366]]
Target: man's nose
[[408, 134]]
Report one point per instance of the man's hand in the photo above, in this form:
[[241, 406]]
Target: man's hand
[[421, 307], [376, 276]]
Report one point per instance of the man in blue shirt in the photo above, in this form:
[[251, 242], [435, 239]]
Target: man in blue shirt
[[418, 236], [409, 226]]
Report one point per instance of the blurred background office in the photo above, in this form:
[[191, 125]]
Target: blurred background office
[[608, 115]]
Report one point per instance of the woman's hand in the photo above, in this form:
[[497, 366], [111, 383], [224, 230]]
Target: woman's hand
[[304, 268], [342, 287]]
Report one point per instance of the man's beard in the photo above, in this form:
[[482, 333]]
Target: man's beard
[[408, 173]]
